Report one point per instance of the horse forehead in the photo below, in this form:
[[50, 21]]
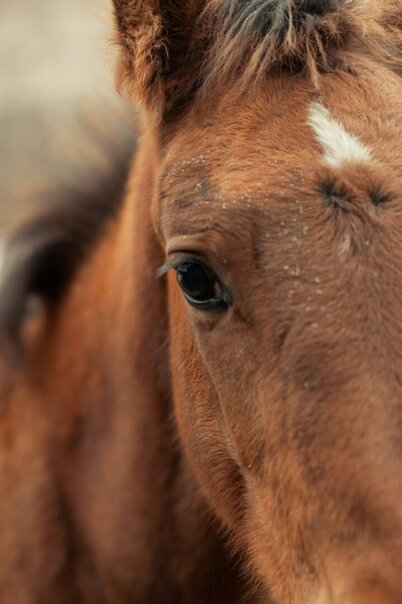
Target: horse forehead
[[358, 121], [288, 146]]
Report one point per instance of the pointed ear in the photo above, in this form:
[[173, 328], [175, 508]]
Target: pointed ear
[[157, 63]]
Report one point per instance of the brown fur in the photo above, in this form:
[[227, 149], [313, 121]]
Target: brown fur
[[153, 452]]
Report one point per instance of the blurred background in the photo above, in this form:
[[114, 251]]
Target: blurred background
[[56, 86]]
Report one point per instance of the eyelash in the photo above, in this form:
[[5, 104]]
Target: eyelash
[[173, 264]]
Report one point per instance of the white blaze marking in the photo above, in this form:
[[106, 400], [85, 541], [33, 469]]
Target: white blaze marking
[[345, 246], [340, 147]]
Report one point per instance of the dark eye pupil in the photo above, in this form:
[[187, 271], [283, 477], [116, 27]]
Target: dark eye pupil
[[196, 281]]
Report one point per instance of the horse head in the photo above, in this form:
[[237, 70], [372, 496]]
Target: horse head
[[277, 202]]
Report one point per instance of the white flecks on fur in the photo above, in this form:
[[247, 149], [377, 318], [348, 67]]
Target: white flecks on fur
[[340, 147]]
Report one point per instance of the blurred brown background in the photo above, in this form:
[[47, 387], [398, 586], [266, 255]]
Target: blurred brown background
[[56, 74]]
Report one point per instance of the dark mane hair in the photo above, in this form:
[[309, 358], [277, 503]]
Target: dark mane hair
[[43, 253], [251, 38], [173, 50]]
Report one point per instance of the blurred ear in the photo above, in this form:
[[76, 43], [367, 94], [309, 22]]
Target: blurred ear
[[157, 64]]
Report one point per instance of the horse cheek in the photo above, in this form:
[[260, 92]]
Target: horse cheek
[[199, 420]]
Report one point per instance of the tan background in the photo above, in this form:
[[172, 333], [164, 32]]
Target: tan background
[[56, 73]]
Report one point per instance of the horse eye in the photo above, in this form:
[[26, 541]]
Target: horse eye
[[201, 287]]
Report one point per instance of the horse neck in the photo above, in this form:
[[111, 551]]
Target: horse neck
[[115, 309], [121, 417]]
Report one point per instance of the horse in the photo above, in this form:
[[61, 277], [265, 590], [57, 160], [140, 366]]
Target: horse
[[201, 386]]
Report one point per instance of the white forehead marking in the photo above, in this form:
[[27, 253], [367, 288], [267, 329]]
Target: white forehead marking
[[340, 147]]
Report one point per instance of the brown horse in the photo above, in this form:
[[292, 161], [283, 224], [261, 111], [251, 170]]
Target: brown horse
[[230, 431]]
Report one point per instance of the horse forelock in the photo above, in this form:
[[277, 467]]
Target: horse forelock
[[250, 39], [173, 50]]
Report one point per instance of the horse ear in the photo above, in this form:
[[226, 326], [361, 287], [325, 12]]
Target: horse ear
[[157, 63]]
